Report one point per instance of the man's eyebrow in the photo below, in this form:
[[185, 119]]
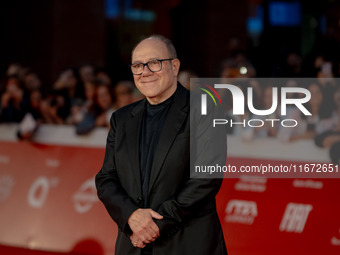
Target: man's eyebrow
[[140, 62]]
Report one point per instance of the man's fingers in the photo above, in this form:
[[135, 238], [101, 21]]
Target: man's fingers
[[143, 226], [155, 230], [150, 235], [146, 235], [138, 244], [155, 215], [141, 245]]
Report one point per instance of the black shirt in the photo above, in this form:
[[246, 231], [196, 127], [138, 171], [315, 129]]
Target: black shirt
[[152, 125]]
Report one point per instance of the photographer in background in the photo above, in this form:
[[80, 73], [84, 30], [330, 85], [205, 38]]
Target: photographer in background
[[12, 107]]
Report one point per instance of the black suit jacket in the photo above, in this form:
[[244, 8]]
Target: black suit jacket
[[190, 224]]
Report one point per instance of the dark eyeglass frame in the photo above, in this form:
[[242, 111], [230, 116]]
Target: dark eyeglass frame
[[147, 64]]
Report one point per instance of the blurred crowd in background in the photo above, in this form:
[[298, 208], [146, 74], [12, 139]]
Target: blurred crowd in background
[[85, 97]]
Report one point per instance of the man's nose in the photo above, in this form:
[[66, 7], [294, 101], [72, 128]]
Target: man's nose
[[146, 71]]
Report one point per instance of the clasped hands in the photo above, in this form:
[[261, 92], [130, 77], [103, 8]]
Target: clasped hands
[[144, 229]]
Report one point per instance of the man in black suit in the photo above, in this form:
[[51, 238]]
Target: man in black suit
[[145, 181]]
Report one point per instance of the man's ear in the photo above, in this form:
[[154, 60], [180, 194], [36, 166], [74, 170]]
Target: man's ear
[[175, 66]]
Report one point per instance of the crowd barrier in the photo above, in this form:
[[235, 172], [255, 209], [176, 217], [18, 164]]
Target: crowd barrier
[[49, 205]]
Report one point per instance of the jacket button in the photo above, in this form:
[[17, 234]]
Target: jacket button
[[140, 199]]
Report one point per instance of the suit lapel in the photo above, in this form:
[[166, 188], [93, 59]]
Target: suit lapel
[[132, 136], [176, 116]]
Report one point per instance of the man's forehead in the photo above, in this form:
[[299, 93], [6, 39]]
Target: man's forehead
[[149, 48]]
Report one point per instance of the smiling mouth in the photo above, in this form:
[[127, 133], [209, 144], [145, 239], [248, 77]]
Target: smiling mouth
[[148, 81]]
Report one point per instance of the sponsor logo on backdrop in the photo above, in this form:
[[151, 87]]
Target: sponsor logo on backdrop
[[4, 159], [52, 163], [38, 192], [85, 197], [336, 240], [307, 184], [241, 211], [251, 184], [6, 186], [295, 217]]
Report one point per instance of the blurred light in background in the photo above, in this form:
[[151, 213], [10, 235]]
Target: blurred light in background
[[115, 8], [112, 9], [285, 13], [255, 23]]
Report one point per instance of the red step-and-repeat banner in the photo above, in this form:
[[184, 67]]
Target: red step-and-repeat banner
[[48, 202]]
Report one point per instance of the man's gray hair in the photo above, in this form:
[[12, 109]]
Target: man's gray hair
[[168, 44]]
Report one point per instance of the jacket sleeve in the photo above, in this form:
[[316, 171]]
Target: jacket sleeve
[[197, 195], [186, 205], [110, 191]]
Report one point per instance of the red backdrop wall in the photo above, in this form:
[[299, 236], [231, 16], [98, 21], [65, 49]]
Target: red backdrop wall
[[49, 205]]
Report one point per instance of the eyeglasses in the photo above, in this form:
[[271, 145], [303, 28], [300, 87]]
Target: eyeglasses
[[154, 65]]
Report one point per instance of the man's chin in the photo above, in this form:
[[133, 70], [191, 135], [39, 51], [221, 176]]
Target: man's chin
[[149, 93], [150, 96]]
